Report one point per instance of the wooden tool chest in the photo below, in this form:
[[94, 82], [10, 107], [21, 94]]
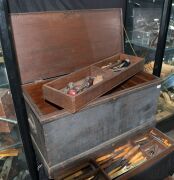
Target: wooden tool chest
[[52, 44]]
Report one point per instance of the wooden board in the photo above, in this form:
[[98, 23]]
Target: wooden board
[[51, 44]]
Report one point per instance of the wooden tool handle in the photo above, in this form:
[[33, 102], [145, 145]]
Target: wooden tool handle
[[123, 153], [131, 152], [122, 147], [138, 155], [104, 157], [137, 161]]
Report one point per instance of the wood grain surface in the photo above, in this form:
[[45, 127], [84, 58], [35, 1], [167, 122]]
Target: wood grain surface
[[51, 44]]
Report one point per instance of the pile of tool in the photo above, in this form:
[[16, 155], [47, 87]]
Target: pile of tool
[[122, 158], [74, 88], [132, 154]]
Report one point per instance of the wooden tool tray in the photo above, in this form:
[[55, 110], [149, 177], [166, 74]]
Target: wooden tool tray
[[149, 146], [54, 91]]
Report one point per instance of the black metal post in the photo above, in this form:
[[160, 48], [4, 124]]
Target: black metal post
[[15, 85], [165, 19]]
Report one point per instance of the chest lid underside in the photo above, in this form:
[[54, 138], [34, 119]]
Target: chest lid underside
[[51, 44]]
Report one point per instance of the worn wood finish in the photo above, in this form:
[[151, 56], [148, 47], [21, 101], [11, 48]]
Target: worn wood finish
[[85, 130], [51, 44], [44, 110], [118, 111], [109, 147], [53, 93], [46, 42]]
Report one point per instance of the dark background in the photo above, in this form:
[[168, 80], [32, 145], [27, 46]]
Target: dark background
[[18, 6]]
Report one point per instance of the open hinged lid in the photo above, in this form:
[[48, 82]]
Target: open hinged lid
[[50, 44]]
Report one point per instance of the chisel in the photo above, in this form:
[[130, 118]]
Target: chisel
[[123, 161]]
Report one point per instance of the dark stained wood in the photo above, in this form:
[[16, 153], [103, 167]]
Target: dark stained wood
[[87, 130], [35, 94], [51, 44], [53, 90], [109, 148]]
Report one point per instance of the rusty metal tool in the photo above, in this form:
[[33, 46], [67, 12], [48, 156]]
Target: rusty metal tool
[[112, 65], [73, 89]]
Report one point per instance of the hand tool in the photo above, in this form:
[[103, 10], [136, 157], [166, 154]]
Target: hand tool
[[138, 160], [73, 176], [124, 160], [110, 159], [142, 141], [127, 168], [72, 89], [160, 140], [122, 149], [125, 63], [111, 65], [122, 154], [118, 155], [103, 158], [133, 160]]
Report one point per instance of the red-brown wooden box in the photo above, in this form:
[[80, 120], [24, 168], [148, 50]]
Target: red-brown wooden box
[[53, 90]]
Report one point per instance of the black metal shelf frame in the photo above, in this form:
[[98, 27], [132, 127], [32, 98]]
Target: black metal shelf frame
[[15, 86], [165, 19]]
